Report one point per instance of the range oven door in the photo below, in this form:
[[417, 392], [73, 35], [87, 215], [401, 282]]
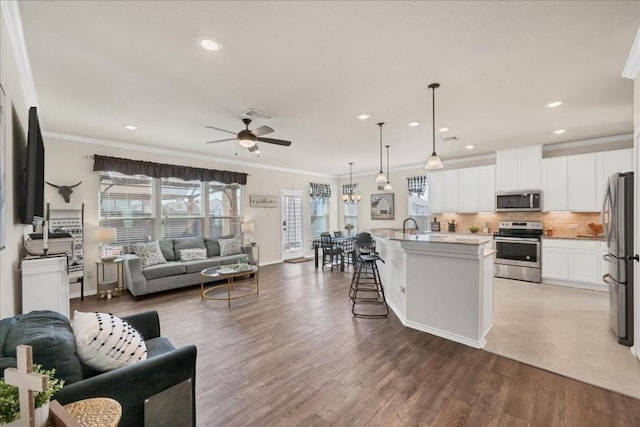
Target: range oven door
[[518, 251]]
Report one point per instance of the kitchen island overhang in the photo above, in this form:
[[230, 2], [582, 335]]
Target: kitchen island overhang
[[438, 283]]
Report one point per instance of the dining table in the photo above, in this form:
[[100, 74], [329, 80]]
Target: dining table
[[346, 243]]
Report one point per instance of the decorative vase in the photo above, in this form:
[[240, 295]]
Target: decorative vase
[[41, 418]]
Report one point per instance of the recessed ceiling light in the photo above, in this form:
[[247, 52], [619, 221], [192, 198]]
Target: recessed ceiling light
[[559, 131], [443, 130], [131, 127], [364, 116], [553, 104], [209, 44], [469, 147], [414, 124]]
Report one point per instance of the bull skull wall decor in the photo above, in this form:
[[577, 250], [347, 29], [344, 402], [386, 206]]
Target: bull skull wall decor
[[64, 190]]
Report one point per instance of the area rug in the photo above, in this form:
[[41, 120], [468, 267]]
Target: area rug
[[298, 260]]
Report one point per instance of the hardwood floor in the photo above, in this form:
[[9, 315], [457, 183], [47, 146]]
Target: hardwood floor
[[294, 355]]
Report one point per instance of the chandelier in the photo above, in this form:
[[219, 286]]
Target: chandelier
[[350, 195]]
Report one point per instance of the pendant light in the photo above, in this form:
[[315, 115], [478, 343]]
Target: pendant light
[[351, 196], [388, 186], [434, 161], [381, 178]]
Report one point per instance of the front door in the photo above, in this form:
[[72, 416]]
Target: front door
[[292, 224]]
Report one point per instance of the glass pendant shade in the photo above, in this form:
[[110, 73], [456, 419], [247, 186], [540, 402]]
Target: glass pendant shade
[[388, 186], [434, 162], [381, 178]]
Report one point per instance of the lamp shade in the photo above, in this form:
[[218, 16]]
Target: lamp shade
[[434, 162], [247, 227], [105, 234]]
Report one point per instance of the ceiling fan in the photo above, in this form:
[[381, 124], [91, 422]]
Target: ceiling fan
[[248, 138]]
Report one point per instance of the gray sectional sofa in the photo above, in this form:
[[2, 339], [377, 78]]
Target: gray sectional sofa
[[176, 273]]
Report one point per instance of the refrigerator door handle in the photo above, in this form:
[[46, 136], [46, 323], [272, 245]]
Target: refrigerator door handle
[[609, 258], [607, 198], [608, 279]]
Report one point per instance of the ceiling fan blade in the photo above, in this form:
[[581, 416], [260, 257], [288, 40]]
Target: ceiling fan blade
[[220, 140], [275, 141], [262, 130], [223, 130]]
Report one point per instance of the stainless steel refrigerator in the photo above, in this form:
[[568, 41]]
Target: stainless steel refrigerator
[[617, 218]]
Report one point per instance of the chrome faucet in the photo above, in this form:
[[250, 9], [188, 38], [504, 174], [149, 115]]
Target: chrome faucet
[[404, 224]]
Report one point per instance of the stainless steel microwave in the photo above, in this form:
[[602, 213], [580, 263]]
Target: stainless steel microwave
[[525, 200]]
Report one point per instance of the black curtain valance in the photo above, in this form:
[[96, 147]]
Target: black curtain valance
[[417, 185], [162, 170], [319, 191]]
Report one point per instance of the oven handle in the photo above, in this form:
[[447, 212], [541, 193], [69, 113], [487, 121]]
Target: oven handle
[[516, 239]]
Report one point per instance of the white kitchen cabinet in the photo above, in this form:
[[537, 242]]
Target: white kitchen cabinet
[[608, 163], [555, 184], [519, 168], [573, 262], [486, 188], [435, 192], [555, 263], [468, 194], [45, 284], [582, 183], [450, 191]]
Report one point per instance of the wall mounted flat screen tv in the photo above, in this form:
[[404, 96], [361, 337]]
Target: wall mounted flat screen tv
[[32, 202]]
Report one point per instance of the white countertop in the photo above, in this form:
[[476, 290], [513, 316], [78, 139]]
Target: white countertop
[[464, 239]]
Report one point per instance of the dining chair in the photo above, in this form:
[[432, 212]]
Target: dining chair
[[331, 253]]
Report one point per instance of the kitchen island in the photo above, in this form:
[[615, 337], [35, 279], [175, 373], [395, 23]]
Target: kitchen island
[[439, 283]]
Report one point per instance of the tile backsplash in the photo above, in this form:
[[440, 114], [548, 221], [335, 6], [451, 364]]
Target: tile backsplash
[[560, 223]]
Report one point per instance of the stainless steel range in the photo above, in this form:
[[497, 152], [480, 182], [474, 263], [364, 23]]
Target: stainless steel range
[[518, 247]]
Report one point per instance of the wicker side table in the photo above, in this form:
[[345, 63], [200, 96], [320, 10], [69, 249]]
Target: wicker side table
[[96, 412]]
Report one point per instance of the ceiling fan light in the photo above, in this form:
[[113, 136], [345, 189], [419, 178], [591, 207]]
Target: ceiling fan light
[[246, 142], [434, 162]]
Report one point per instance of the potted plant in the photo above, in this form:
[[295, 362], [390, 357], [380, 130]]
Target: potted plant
[[10, 400], [348, 227]]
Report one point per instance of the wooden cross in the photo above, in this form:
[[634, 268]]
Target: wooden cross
[[27, 382]]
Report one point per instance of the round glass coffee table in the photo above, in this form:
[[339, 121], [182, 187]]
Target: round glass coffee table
[[222, 273]]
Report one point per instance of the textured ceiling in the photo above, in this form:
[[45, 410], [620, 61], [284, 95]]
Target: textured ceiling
[[317, 65]]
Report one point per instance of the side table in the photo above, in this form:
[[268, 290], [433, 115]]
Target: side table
[[109, 288]]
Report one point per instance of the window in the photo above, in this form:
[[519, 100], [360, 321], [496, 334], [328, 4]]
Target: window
[[351, 216], [419, 210], [319, 216], [181, 208], [126, 203], [224, 209]]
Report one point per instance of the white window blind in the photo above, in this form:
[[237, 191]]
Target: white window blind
[[351, 216], [126, 204], [419, 210], [181, 208], [225, 214], [319, 216]]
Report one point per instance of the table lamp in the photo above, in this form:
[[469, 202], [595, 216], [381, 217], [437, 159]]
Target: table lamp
[[105, 236], [248, 228]]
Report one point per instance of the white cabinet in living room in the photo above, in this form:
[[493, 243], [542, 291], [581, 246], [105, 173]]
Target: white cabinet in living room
[[554, 184], [519, 168], [582, 183]]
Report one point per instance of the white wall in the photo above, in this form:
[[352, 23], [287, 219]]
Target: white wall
[[16, 119], [68, 162]]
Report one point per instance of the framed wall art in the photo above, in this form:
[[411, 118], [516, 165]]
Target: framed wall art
[[264, 201], [382, 206]]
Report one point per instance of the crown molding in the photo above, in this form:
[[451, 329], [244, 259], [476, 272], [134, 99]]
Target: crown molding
[[11, 13], [587, 142], [174, 153], [632, 67]]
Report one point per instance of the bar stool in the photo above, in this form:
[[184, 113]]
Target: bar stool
[[365, 284]]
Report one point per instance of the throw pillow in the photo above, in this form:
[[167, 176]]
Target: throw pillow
[[149, 253], [192, 254], [105, 342], [230, 246]]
